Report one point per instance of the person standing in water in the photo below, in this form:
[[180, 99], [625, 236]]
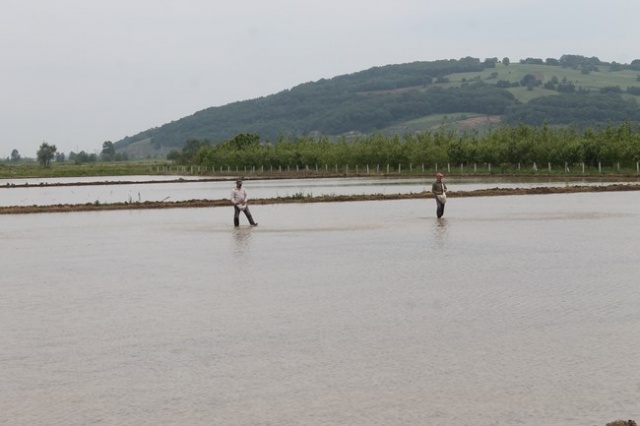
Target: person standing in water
[[439, 190], [239, 200]]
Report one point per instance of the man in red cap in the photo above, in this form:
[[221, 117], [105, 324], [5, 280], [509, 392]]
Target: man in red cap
[[439, 191]]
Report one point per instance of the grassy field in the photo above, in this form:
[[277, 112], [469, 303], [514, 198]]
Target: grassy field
[[593, 81], [68, 169]]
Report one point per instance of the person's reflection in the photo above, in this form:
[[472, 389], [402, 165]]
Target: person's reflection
[[241, 240], [440, 232]]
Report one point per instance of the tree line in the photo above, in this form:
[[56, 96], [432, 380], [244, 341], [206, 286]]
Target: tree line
[[506, 146], [584, 109], [48, 152]]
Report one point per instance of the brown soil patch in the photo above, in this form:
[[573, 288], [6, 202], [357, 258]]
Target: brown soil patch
[[479, 121], [62, 208]]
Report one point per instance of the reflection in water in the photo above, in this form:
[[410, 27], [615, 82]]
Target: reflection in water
[[440, 232], [241, 240]]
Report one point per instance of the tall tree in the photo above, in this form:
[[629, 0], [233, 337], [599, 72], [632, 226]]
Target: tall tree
[[46, 153], [108, 151]]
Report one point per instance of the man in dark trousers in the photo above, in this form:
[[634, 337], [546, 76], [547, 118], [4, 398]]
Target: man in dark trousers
[[239, 200], [439, 190]]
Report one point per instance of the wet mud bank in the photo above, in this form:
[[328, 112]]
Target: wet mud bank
[[63, 208]]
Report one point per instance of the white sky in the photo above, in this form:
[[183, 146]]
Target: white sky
[[76, 73]]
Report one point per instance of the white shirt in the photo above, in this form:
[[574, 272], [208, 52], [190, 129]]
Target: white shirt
[[239, 198]]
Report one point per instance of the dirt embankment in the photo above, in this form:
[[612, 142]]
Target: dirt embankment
[[62, 208]]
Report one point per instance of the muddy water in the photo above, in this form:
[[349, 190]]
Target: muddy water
[[511, 310]]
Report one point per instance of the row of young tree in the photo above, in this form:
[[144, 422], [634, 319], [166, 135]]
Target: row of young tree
[[506, 146]]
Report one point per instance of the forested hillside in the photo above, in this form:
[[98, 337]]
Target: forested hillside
[[408, 98]]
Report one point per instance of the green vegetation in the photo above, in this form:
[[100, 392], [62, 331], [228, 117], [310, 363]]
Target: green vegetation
[[46, 153], [507, 148], [583, 108], [31, 169], [412, 97], [504, 149]]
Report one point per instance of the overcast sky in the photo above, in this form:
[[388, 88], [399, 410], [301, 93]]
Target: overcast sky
[[76, 73]]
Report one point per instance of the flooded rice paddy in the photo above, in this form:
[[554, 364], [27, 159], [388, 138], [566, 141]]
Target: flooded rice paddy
[[509, 311], [132, 189]]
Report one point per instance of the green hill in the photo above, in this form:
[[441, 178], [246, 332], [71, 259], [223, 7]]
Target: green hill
[[418, 96]]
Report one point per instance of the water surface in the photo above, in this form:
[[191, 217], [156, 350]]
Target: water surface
[[515, 310], [198, 189]]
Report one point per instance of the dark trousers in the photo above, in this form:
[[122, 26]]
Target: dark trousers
[[439, 208], [236, 215]]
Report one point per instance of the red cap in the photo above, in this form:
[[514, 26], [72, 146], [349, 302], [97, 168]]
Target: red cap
[[439, 175]]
